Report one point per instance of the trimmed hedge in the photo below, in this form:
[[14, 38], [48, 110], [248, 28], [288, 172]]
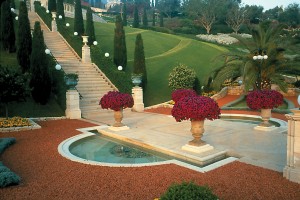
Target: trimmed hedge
[[6, 142], [7, 177]]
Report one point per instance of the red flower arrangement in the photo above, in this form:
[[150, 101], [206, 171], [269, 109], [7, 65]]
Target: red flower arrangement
[[116, 101], [196, 108], [264, 99], [180, 93]]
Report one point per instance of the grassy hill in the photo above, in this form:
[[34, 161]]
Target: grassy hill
[[163, 52]]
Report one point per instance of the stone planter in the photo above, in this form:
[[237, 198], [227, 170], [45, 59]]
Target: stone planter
[[266, 115], [118, 118], [197, 130]]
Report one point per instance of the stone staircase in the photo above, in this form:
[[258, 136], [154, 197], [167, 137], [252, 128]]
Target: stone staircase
[[92, 84]]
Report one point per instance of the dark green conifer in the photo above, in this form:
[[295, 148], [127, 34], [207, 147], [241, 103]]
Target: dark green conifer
[[52, 5], [139, 65], [24, 41], [40, 74], [145, 18], [120, 51], [60, 9], [90, 30], [78, 19], [136, 20]]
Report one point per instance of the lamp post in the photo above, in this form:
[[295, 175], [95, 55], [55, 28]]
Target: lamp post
[[260, 56]]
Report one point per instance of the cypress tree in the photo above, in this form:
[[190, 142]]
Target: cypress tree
[[139, 65], [161, 20], [136, 21], [24, 41], [52, 5], [124, 14], [120, 51], [78, 19], [90, 30], [40, 74], [60, 9], [145, 19], [153, 18], [7, 28]]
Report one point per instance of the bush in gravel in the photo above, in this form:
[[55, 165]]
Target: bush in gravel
[[188, 191], [8, 178], [6, 142]]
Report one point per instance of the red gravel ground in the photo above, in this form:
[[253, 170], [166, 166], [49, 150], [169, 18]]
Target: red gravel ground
[[47, 175]]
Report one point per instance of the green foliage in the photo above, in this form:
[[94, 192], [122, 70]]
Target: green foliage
[[188, 191], [120, 51], [13, 86], [41, 11], [136, 20], [40, 74], [90, 30], [78, 19], [24, 41], [161, 20], [182, 77], [124, 15], [139, 65], [8, 179], [153, 18], [60, 10], [145, 18], [4, 143], [52, 6], [7, 32]]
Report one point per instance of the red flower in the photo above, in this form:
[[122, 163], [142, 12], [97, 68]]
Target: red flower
[[196, 108], [180, 93], [116, 101], [264, 99]]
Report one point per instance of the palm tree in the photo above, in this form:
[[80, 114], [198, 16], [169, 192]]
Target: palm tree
[[267, 46]]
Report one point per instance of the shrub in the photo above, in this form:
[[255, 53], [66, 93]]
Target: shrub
[[188, 191], [297, 84], [180, 93], [264, 99], [6, 142], [3, 168], [182, 77], [8, 178]]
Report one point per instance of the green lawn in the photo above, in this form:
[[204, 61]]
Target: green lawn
[[163, 52]]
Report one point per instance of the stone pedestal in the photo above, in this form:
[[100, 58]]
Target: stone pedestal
[[292, 169], [137, 94], [53, 26], [72, 105], [86, 54], [197, 149]]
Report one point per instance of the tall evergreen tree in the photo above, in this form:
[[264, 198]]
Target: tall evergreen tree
[[7, 28], [60, 9], [139, 64], [90, 30], [40, 74], [136, 20], [153, 18], [161, 19], [120, 51], [78, 19], [52, 5], [24, 41], [145, 18], [124, 13]]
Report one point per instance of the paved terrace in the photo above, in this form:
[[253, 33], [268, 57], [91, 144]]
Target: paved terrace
[[261, 148]]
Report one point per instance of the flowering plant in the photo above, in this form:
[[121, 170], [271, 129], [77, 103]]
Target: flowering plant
[[116, 101], [196, 108], [180, 93], [14, 122], [264, 99]]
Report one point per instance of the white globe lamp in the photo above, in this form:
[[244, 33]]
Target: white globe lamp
[[95, 43], [47, 51], [106, 55], [16, 17], [75, 33], [67, 24], [58, 67], [120, 68], [254, 57], [60, 17]]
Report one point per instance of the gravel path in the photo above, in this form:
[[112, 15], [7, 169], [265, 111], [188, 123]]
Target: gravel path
[[47, 175]]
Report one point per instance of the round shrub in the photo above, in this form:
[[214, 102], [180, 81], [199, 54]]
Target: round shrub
[[182, 77], [264, 99], [4, 169], [188, 191]]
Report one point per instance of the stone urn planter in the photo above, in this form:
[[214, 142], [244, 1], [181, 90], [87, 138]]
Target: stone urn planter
[[116, 101], [196, 109], [71, 80], [265, 101]]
